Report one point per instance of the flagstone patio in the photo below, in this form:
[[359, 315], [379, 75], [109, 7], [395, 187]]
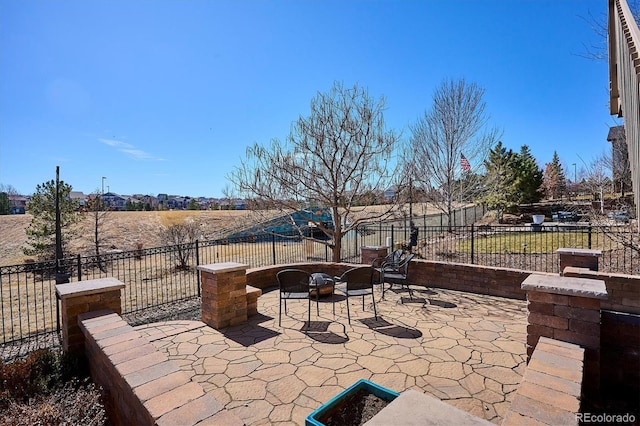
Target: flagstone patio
[[465, 349]]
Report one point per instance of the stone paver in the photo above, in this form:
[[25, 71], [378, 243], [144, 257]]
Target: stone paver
[[465, 349]]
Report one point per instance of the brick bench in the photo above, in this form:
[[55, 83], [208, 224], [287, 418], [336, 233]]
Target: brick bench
[[551, 387], [144, 386]]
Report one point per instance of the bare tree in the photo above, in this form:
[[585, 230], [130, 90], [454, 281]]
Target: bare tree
[[597, 50], [329, 160], [596, 177], [99, 213], [183, 237], [448, 140], [8, 188]]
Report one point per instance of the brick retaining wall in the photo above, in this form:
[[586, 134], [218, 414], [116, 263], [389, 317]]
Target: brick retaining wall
[[623, 290], [143, 385], [265, 277], [502, 282]]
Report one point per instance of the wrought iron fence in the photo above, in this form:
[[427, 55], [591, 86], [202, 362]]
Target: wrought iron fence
[[523, 247], [156, 277]]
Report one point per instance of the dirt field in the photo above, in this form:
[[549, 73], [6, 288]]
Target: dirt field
[[121, 230], [124, 230]]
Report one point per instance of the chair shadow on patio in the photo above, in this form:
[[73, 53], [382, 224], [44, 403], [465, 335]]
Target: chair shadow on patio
[[319, 331], [442, 303], [417, 295], [385, 327]]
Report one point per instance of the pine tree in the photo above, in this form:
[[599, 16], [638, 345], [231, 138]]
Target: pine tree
[[554, 182], [5, 203], [528, 177], [500, 179], [41, 233]]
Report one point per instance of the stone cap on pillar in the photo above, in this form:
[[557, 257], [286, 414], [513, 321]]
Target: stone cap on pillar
[[569, 286], [84, 288], [579, 252], [216, 268]]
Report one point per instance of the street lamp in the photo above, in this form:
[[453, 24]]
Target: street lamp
[[575, 175]]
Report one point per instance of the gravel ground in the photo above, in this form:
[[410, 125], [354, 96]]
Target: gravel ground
[[188, 309]]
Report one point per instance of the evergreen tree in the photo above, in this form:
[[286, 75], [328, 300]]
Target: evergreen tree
[[5, 203], [528, 177], [193, 205], [554, 182], [41, 233], [500, 179]]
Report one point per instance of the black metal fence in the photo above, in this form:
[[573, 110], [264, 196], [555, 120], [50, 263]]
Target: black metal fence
[[521, 247], [157, 277]]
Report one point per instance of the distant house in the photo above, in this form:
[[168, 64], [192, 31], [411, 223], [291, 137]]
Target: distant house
[[177, 203], [18, 204], [203, 203], [147, 199], [79, 196], [114, 201], [390, 193], [162, 201]]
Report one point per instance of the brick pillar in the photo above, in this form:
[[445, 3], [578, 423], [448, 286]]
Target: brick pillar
[[369, 253], [566, 309], [224, 294], [579, 258], [85, 296]]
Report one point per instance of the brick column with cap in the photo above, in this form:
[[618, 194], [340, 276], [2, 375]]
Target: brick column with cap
[[579, 258], [370, 253], [85, 296], [224, 294], [566, 309]]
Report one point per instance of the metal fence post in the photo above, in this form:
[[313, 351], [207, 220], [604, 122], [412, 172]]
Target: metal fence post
[[198, 264], [79, 260], [589, 237], [393, 241], [472, 244], [273, 246], [58, 317]]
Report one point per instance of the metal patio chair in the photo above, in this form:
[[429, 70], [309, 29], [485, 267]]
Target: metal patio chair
[[396, 270], [294, 284], [357, 282]]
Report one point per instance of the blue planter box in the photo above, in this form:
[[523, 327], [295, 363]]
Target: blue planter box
[[323, 412]]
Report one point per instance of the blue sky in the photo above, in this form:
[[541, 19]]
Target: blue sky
[[165, 96]]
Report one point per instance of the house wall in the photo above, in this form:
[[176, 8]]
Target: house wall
[[624, 72]]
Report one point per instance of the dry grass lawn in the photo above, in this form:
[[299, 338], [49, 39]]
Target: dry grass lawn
[[125, 230], [121, 230]]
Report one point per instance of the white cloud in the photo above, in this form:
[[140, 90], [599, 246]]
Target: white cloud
[[130, 150]]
